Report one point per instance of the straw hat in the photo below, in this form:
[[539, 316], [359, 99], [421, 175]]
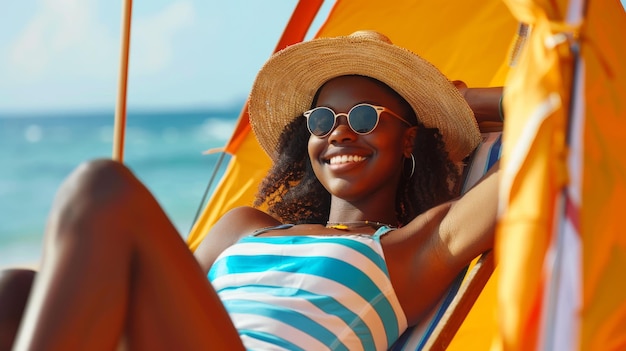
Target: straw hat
[[285, 86]]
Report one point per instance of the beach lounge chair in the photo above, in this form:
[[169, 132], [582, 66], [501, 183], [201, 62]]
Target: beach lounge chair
[[488, 68], [438, 329]]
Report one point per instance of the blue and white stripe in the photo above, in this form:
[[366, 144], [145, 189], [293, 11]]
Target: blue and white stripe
[[309, 293]]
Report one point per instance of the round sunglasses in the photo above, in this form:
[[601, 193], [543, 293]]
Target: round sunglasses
[[362, 119]]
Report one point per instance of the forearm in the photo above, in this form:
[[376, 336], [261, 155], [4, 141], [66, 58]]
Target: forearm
[[485, 102], [468, 228]]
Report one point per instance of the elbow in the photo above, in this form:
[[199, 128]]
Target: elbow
[[463, 243]]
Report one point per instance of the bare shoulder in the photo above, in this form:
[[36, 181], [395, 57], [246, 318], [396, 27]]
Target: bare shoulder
[[419, 230], [231, 227]]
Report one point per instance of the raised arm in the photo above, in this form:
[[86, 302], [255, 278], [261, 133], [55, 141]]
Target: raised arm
[[485, 102], [427, 254], [467, 230]]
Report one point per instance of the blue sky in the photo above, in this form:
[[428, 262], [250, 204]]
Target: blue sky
[[63, 55]]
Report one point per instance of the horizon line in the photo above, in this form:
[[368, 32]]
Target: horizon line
[[81, 111]]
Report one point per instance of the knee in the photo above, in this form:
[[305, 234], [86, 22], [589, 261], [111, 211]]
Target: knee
[[15, 286], [101, 172], [96, 195], [15, 283], [101, 181], [94, 189]]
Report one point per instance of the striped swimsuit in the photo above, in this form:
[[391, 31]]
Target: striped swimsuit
[[309, 292]]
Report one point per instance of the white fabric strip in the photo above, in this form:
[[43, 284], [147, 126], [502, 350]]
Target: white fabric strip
[[291, 334], [317, 285], [330, 250], [520, 150], [333, 323]]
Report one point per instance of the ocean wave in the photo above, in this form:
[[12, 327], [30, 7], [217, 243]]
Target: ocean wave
[[164, 150]]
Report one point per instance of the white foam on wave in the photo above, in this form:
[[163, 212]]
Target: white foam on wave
[[215, 129], [33, 133]]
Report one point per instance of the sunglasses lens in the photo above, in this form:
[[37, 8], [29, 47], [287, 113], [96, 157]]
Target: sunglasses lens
[[363, 119], [321, 121]]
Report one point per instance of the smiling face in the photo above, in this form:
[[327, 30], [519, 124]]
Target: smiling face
[[356, 167]]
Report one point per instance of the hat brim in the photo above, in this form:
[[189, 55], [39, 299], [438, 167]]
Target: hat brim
[[286, 85]]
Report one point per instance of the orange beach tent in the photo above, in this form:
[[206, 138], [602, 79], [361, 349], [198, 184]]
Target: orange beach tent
[[561, 246], [474, 48], [560, 249]]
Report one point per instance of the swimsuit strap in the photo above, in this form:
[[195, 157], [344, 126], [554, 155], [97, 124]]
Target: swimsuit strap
[[267, 229], [382, 231], [377, 235]]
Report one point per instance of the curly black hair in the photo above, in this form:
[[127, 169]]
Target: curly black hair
[[293, 194], [291, 190]]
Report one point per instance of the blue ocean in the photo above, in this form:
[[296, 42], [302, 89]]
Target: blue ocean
[[164, 150]]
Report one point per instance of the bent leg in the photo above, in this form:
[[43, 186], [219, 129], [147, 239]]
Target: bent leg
[[115, 268], [15, 287]]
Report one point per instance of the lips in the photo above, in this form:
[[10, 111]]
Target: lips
[[344, 159]]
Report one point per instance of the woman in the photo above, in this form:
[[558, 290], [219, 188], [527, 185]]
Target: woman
[[360, 239]]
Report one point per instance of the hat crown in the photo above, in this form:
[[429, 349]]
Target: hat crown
[[371, 35], [288, 82]]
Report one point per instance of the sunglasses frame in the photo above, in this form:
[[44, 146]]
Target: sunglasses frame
[[377, 109]]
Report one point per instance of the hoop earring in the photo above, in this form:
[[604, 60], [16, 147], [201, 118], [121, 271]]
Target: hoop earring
[[412, 166]]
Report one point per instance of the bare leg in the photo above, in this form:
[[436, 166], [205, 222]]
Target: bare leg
[[14, 290], [114, 268]]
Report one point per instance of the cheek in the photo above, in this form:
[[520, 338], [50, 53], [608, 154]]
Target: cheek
[[391, 154], [391, 144], [315, 147]]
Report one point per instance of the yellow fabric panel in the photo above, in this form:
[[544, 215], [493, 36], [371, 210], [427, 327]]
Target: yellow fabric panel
[[236, 188], [466, 40], [470, 41], [479, 327], [250, 163], [534, 172], [604, 178], [527, 226]]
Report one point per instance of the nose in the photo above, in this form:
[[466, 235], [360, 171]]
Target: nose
[[342, 132]]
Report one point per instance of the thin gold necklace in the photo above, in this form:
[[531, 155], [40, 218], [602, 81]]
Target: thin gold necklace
[[356, 224]]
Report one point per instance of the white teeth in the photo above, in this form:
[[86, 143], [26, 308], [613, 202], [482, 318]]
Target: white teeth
[[345, 159]]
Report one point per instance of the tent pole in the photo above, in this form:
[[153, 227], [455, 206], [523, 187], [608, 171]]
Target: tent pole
[[120, 108]]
